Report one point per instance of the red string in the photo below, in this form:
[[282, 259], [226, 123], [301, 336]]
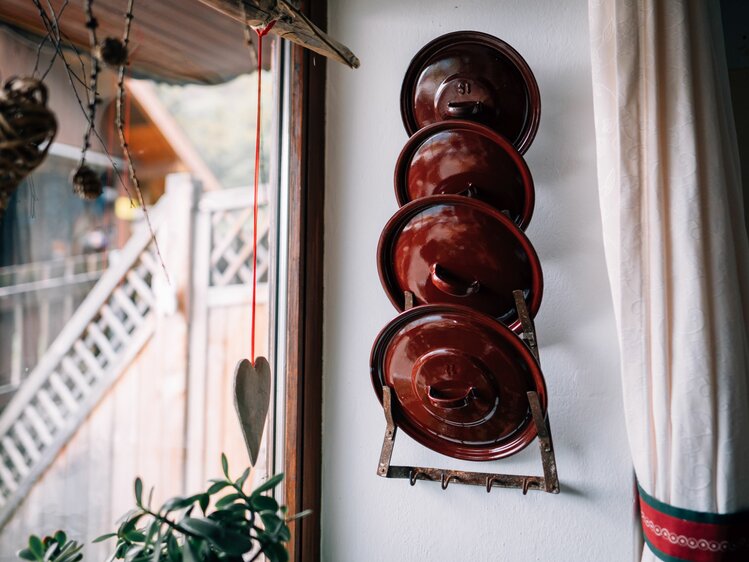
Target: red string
[[260, 33]]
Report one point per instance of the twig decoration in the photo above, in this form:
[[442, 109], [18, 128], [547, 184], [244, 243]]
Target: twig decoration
[[86, 182], [120, 122], [56, 37]]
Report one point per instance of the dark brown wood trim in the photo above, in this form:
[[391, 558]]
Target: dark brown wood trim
[[303, 438]]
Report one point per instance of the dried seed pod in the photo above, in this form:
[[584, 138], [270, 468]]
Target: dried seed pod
[[112, 52], [87, 183], [27, 128]]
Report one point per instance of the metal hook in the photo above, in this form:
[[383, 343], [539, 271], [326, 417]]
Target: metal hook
[[490, 480], [447, 479], [526, 482], [412, 476]]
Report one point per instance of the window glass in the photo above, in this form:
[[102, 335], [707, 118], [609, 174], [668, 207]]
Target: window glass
[[117, 355]]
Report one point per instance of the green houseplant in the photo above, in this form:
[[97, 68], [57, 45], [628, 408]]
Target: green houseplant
[[223, 523]]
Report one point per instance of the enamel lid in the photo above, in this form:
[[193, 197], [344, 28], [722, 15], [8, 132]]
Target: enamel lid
[[459, 381], [457, 250], [474, 76], [465, 158]]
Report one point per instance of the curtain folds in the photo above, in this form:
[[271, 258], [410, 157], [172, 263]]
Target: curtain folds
[[678, 259]]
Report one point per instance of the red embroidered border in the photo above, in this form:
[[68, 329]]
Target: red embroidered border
[[679, 534]]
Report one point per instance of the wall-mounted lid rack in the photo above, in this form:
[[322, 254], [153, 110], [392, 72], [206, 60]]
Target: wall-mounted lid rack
[[549, 482]]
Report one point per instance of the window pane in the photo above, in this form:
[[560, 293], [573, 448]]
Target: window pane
[[139, 379]]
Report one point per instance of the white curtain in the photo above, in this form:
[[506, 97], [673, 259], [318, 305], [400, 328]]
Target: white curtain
[[676, 247]]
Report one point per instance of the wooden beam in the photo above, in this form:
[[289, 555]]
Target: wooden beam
[[291, 23], [147, 99]]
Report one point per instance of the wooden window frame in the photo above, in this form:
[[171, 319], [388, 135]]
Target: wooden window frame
[[304, 317]]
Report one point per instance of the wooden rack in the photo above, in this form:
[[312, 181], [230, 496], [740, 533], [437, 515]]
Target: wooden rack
[[549, 482]]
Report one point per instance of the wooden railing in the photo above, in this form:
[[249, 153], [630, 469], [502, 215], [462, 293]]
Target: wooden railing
[[106, 331], [36, 301], [50, 274]]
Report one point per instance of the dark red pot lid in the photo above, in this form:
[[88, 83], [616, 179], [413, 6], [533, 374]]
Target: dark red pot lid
[[457, 250], [459, 380], [465, 158], [475, 76]]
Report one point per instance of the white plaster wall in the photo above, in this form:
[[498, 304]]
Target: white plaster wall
[[367, 518]]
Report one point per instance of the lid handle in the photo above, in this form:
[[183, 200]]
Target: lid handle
[[462, 109], [451, 284], [450, 399]]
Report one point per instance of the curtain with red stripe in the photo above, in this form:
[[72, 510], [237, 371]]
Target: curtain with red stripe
[[676, 247]]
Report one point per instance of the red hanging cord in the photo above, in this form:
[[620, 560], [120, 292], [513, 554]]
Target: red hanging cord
[[260, 34]]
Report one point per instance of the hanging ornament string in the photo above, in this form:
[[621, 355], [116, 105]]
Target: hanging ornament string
[[260, 34]]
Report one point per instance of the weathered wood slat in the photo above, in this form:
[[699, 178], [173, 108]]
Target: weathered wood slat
[[114, 323], [127, 305], [76, 375], [19, 462], [239, 222], [26, 440], [150, 263], [62, 390], [236, 261], [88, 358], [50, 408], [101, 341], [32, 414], [143, 290], [7, 477]]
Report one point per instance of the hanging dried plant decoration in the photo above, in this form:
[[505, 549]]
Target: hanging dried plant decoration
[[120, 122], [27, 128], [86, 183], [111, 52]]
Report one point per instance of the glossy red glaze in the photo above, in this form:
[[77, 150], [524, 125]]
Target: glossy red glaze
[[465, 158], [453, 249], [474, 76], [460, 380]]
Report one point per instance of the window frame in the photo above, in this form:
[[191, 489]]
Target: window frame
[[304, 315]]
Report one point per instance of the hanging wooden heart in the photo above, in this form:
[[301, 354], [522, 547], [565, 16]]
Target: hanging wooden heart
[[252, 386], [27, 128]]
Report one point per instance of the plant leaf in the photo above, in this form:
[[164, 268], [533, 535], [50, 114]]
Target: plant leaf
[[203, 501], [269, 484], [263, 503], [26, 554], [104, 537], [276, 552], [230, 542], [139, 491], [225, 465], [61, 538], [172, 548], [228, 499], [36, 547], [188, 554], [217, 487], [178, 503], [242, 479]]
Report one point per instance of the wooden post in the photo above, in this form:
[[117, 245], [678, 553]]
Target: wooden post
[[200, 244]]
